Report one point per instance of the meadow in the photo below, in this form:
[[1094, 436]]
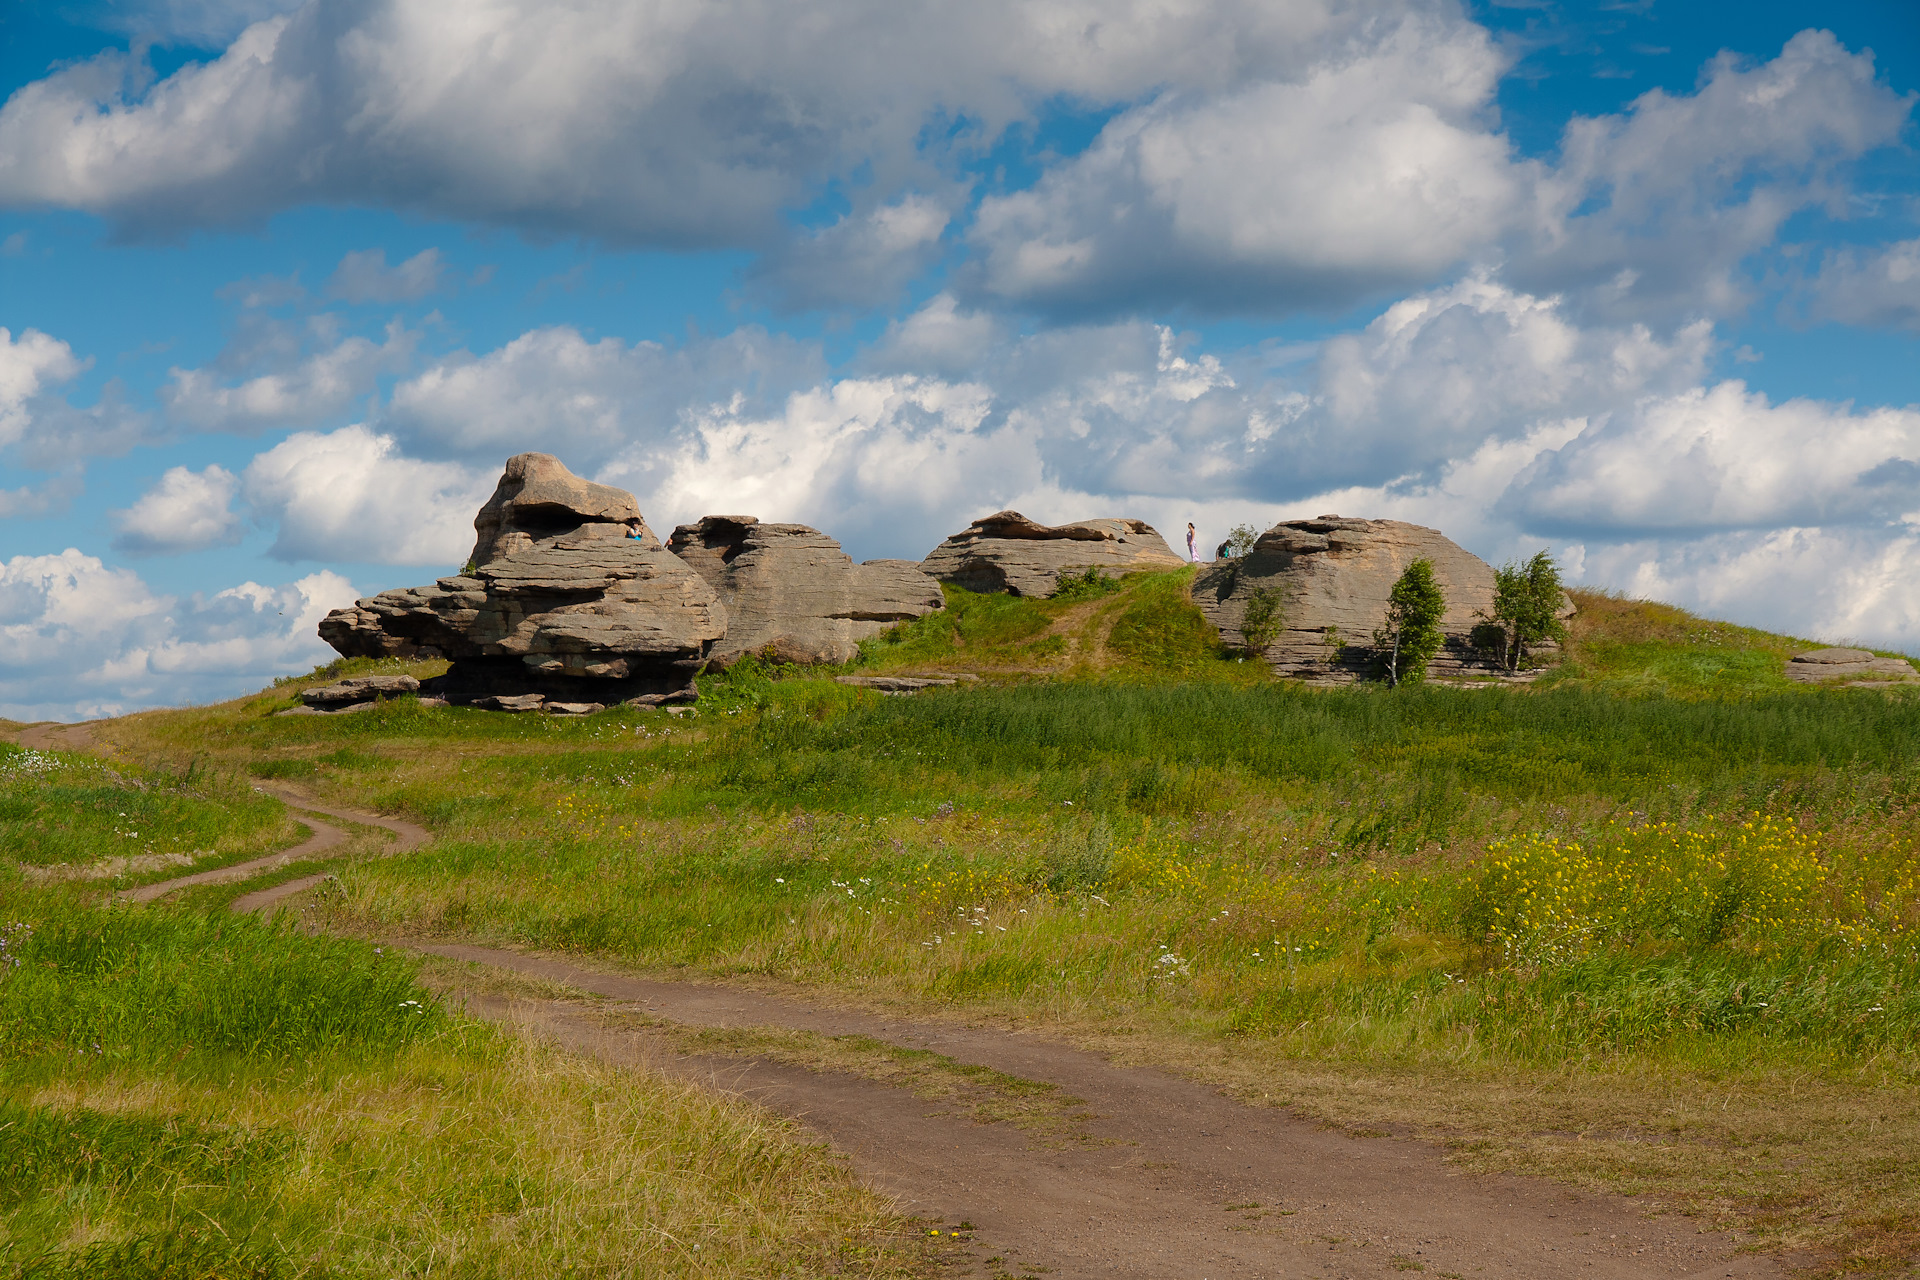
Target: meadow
[[188, 1094], [1649, 924]]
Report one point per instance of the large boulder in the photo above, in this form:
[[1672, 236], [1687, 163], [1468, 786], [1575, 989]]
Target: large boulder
[[1008, 552], [585, 614], [1331, 577], [793, 595], [1817, 666], [538, 500]]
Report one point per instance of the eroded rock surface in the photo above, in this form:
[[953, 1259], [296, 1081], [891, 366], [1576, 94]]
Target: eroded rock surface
[[583, 615], [360, 689], [1008, 552], [1819, 665], [793, 595], [538, 500], [1332, 577]]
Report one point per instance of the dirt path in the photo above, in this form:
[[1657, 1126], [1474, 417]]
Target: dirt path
[[1180, 1180], [1168, 1179], [57, 737], [324, 836]]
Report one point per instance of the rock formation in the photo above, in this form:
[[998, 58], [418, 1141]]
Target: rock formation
[[1819, 665], [359, 689], [793, 595], [1008, 552], [559, 602], [538, 500], [1331, 577]]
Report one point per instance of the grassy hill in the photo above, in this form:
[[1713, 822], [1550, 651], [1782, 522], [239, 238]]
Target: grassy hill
[[1638, 647], [1649, 923]]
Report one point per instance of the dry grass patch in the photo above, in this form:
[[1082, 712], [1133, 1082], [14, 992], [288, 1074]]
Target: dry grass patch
[[487, 1156]]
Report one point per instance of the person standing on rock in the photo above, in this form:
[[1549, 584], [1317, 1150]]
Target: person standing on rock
[[633, 530], [1190, 536]]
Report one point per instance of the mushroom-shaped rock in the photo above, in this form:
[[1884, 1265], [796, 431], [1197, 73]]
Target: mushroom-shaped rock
[[538, 500], [580, 615], [793, 595], [1008, 552], [1331, 578], [1817, 666]]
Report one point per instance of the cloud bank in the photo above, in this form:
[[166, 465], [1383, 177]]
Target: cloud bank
[[78, 638]]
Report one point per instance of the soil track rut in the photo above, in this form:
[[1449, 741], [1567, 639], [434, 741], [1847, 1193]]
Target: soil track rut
[[1188, 1183], [1178, 1182], [324, 836]]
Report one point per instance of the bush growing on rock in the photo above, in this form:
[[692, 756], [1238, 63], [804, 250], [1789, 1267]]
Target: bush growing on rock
[[1263, 620]]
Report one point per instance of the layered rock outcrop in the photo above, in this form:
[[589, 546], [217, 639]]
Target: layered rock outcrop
[[539, 500], [1817, 666], [1331, 577], [793, 595], [1008, 552], [560, 602]]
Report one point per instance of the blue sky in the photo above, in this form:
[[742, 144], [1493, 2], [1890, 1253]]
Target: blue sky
[[284, 284]]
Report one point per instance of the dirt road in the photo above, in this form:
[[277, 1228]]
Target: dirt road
[[1180, 1180], [1166, 1178]]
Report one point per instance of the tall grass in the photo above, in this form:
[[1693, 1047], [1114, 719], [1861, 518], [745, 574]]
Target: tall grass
[[1598, 907], [60, 808], [1395, 769], [192, 1097], [125, 983]]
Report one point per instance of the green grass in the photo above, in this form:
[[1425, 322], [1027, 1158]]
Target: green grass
[[971, 626], [58, 808], [1453, 910], [202, 1096], [1636, 648], [136, 985], [1161, 631]]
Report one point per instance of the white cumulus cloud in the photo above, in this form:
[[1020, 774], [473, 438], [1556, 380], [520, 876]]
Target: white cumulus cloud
[[1655, 209], [29, 364], [1725, 457], [1878, 287], [674, 124], [315, 388], [81, 639], [553, 390], [349, 496], [186, 511], [1378, 169]]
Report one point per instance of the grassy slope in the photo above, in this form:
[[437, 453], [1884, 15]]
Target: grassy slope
[[1118, 791], [188, 1094], [1633, 647]]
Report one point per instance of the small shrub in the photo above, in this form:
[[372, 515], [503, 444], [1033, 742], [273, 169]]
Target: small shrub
[[1089, 584], [1263, 620]]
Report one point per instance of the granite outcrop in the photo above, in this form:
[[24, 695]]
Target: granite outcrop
[[791, 593], [569, 597], [1817, 666], [1007, 552], [1331, 577], [538, 501]]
